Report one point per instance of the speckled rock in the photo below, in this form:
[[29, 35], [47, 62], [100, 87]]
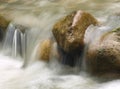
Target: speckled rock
[[69, 31], [103, 56]]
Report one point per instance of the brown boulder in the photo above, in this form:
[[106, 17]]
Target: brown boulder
[[103, 56], [69, 31], [44, 50], [47, 50]]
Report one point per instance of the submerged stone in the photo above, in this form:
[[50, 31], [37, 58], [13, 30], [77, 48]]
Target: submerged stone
[[103, 56]]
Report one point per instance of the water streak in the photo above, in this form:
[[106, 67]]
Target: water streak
[[15, 42]]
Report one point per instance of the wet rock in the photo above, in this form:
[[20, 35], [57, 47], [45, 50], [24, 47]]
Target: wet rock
[[69, 31], [103, 56], [69, 35], [44, 50], [3, 25]]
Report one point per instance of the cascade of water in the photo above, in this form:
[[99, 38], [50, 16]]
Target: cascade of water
[[15, 42], [16, 45], [24, 47], [7, 47], [23, 44]]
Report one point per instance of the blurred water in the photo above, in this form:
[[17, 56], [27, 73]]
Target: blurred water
[[39, 16]]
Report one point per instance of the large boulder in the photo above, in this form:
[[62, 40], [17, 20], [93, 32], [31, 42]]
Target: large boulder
[[69, 31], [103, 55]]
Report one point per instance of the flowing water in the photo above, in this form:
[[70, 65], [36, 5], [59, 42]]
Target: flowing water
[[39, 16]]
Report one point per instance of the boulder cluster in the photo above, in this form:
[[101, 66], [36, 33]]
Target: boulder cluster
[[102, 56]]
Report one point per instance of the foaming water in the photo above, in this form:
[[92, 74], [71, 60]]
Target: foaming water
[[40, 76]]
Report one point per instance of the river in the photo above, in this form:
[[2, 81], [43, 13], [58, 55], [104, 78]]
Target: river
[[40, 16]]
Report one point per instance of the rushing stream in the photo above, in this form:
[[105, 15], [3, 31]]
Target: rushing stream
[[40, 16]]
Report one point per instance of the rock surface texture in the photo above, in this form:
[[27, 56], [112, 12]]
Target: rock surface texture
[[69, 31], [103, 56], [44, 50], [69, 35]]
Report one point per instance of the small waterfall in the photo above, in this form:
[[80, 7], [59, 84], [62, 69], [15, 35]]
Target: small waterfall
[[23, 44], [1, 34], [9, 39], [16, 45], [15, 41]]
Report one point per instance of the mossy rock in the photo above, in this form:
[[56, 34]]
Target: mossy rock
[[103, 56], [69, 31]]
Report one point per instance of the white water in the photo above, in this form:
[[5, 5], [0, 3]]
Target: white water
[[44, 76], [38, 76], [40, 15], [14, 43]]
